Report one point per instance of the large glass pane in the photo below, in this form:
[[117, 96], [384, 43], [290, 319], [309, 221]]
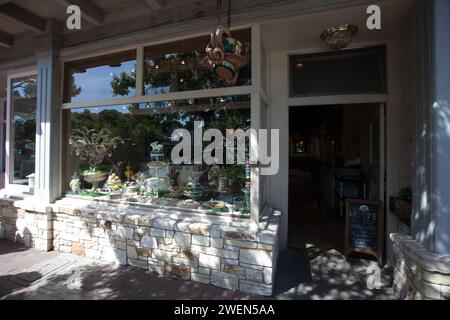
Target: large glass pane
[[23, 128], [104, 77], [117, 146], [177, 66], [353, 71]]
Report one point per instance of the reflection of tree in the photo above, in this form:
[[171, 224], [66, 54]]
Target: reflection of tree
[[25, 88], [185, 72], [140, 125], [140, 130], [74, 90], [122, 84]]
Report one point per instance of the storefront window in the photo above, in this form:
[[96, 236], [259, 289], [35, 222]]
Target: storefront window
[[124, 153], [179, 66], [23, 128], [99, 78]]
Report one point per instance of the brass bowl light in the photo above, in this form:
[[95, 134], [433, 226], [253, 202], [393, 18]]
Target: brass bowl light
[[339, 37]]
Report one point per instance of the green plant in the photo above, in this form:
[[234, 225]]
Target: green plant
[[405, 195], [95, 169], [236, 175]]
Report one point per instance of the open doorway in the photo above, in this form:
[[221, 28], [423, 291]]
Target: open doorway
[[336, 154]]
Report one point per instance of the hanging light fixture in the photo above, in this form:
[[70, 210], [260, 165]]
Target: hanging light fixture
[[339, 37]]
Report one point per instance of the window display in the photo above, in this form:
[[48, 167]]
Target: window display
[[123, 153]]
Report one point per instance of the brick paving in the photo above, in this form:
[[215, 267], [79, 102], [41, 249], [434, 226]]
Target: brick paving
[[31, 274]]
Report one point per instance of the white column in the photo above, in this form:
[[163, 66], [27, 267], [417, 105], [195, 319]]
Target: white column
[[431, 101], [440, 197], [48, 133]]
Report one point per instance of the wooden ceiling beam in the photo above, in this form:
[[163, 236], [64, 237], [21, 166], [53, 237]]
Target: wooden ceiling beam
[[155, 4], [89, 12], [22, 17], [6, 40]]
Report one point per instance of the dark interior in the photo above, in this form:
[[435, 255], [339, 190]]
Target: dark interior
[[334, 156]]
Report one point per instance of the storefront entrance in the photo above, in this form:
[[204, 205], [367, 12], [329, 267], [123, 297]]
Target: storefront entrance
[[335, 154]]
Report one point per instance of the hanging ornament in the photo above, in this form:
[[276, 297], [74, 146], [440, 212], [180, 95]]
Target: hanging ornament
[[223, 53]]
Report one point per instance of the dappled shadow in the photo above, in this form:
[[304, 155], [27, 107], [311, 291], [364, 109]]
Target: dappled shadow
[[109, 281], [328, 276]]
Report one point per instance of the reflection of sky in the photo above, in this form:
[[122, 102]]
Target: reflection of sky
[[121, 109], [95, 83]]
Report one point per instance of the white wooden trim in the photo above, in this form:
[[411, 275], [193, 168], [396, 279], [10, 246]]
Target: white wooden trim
[[2, 124], [256, 57], [254, 155], [100, 48], [339, 99], [140, 71], [207, 93], [323, 49], [14, 188], [382, 152]]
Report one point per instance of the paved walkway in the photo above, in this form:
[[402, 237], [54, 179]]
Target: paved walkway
[[30, 274]]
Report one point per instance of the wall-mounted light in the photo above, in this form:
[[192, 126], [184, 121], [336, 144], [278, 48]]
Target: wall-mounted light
[[339, 37]]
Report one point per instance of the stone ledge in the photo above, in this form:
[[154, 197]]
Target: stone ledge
[[418, 272], [34, 205], [416, 252], [174, 219]]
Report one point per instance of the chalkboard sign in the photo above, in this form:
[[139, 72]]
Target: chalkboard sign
[[364, 228]]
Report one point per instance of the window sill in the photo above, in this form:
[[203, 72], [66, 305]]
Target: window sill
[[121, 211], [137, 204], [13, 192]]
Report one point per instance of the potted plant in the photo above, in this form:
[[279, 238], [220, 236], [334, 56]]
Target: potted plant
[[236, 177], [93, 147], [403, 205]]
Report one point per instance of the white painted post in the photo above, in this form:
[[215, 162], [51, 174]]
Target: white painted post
[[430, 223], [440, 199], [48, 129], [255, 120]]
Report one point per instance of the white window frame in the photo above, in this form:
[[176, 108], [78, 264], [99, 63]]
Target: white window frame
[[9, 157], [4, 106], [255, 91]]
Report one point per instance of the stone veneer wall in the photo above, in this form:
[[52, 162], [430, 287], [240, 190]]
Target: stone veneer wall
[[419, 273], [235, 254], [29, 225]]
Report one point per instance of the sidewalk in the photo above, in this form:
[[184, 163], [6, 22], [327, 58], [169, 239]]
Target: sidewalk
[[30, 274]]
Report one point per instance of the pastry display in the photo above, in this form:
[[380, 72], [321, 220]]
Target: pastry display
[[114, 182]]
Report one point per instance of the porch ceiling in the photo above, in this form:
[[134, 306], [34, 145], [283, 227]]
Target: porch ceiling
[[20, 20]]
